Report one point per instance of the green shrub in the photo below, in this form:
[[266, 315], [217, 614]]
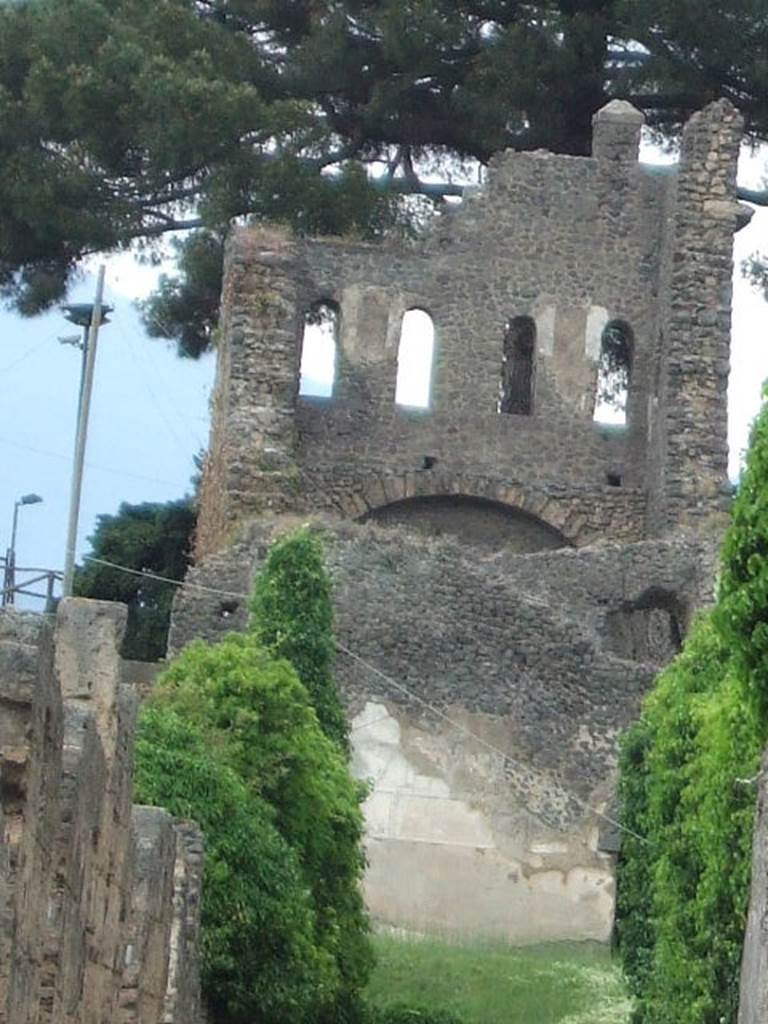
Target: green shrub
[[292, 616], [742, 607], [255, 714], [683, 892], [260, 960]]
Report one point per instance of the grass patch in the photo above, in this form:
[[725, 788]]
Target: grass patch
[[486, 983]]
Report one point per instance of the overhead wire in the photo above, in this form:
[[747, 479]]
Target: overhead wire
[[26, 355], [91, 465], [168, 392], [400, 687]]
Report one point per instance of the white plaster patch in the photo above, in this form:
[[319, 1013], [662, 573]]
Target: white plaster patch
[[597, 320], [437, 862], [405, 803], [549, 848], [545, 330]]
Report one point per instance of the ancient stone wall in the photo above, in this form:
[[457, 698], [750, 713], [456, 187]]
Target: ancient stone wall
[[510, 575], [486, 690], [574, 244], [689, 413], [100, 900]]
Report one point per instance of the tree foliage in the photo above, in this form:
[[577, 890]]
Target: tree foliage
[[244, 706], [685, 771], [292, 616], [123, 120], [151, 537], [260, 960]]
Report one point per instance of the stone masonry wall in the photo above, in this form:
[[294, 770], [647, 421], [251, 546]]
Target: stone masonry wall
[[689, 416], [100, 900], [574, 243], [486, 691]]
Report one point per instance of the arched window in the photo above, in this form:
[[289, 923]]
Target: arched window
[[516, 393], [613, 373], [318, 349], [414, 359]]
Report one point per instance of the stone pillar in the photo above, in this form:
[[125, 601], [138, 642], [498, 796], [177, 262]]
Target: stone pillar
[[94, 836], [250, 466], [616, 129], [689, 443]]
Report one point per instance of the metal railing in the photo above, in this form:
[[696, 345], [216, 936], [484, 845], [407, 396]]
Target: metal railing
[[18, 580]]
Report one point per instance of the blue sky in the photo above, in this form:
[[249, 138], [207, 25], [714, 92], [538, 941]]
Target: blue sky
[[150, 409], [149, 417]]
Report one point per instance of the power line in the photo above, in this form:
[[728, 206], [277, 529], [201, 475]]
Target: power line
[[26, 355], [153, 395], [401, 687], [91, 465]]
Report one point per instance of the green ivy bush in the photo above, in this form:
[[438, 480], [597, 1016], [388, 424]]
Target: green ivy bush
[[683, 888], [292, 616], [260, 960], [258, 728]]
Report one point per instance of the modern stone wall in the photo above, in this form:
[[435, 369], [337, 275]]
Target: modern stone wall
[[99, 900], [486, 691]]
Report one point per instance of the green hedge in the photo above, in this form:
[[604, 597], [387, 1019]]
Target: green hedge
[[232, 740], [259, 953], [683, 890]]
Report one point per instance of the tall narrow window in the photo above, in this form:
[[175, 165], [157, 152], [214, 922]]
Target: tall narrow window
[[516, 393], [613, 373], [318, 349], [414, 359]]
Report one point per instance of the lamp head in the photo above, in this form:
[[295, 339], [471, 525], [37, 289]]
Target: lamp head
[[80, 313], [29, 499]]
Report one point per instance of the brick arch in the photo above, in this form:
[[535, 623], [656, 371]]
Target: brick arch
[[562, 513]]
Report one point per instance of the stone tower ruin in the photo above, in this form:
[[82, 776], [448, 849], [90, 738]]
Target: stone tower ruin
[[510, 574]]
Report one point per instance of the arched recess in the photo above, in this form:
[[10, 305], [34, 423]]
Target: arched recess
[[517, 367], [319, 344], [614, 372], [479, 522], [414, 359]]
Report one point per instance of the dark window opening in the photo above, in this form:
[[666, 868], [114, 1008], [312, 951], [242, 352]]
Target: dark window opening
[[517, 363], [614, 370], [613, 479], [227, 609], [318, 350], [430, 461]]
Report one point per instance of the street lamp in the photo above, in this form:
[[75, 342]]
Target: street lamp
[[89, 316], [9, 576], [81, 314]]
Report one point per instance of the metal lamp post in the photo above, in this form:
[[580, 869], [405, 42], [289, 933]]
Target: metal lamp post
[[90, 318], [9, 576]]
